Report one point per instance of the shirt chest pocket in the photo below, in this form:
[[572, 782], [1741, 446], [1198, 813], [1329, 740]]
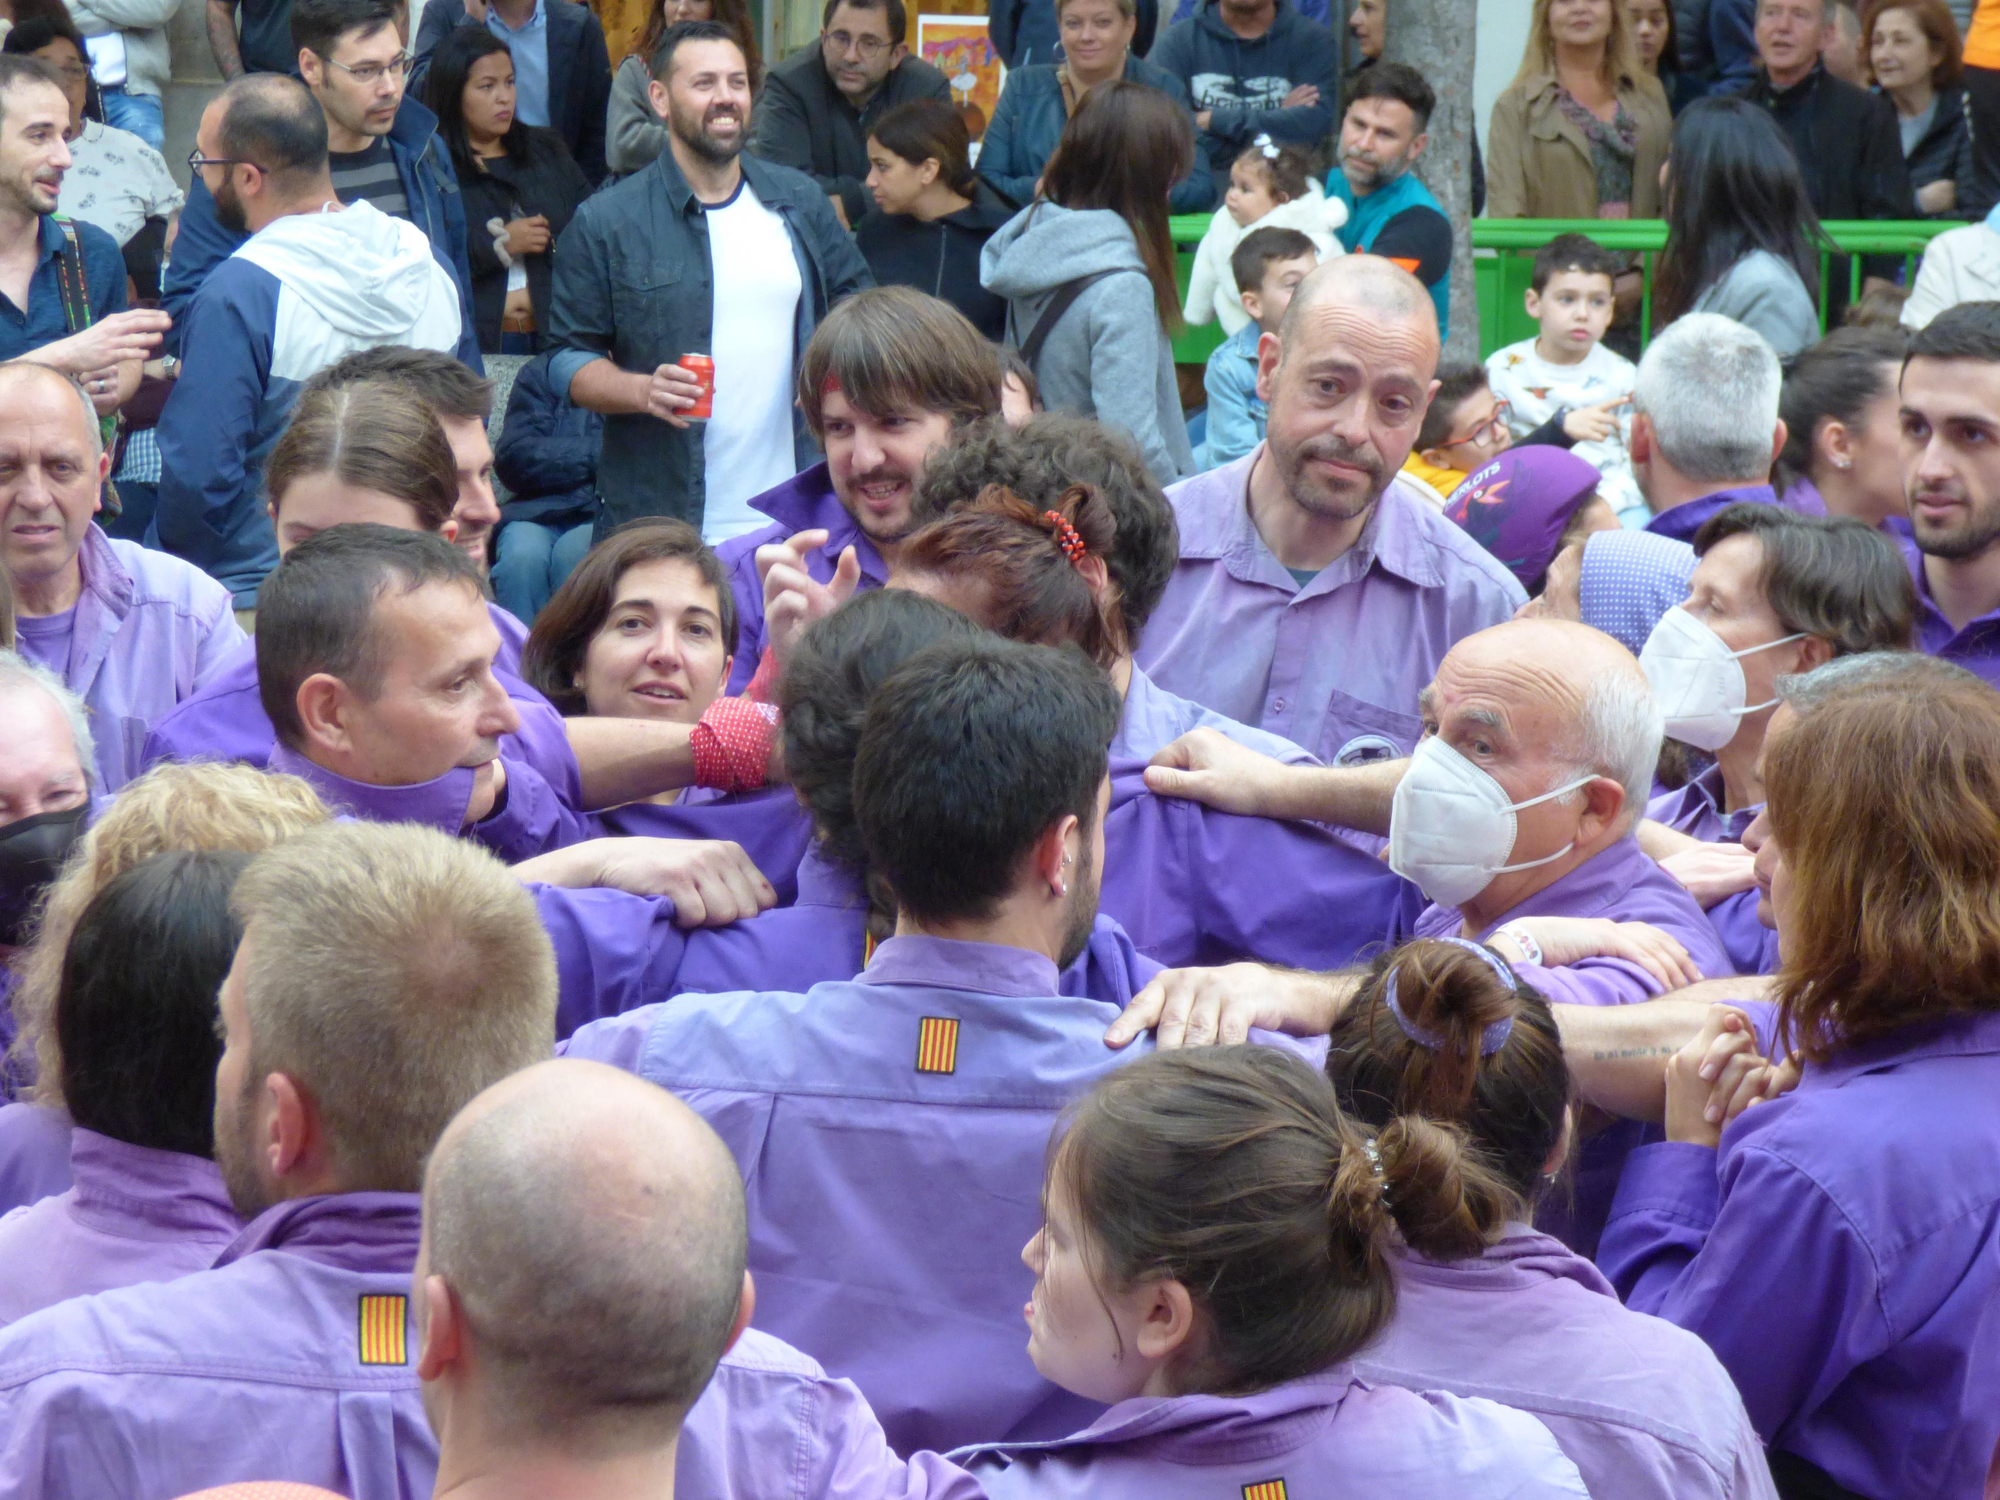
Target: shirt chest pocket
[[649, 308]]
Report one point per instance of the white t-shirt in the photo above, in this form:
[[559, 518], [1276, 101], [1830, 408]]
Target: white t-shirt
[[1534, 389], [748, 446], [116, 181]]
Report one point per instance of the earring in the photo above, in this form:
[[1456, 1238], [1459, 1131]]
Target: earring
[[1843, 463], [1062, 886]]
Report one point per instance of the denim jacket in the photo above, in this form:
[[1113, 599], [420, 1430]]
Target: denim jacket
[[633, 283]]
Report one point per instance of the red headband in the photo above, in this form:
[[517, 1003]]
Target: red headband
[[1067, 536]]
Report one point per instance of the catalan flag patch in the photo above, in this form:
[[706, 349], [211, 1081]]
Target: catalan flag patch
[[382, 1323], [1266, 1489], [937, 1044]]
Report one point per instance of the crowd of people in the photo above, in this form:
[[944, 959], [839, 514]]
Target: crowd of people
[[665, 828]]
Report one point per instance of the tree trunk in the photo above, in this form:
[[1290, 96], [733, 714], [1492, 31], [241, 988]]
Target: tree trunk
[[1437, 38]]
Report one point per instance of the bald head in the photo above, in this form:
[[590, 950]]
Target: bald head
[[271, 120], [591, 1229], [1563, 698], [1365, 286], [26, 385]]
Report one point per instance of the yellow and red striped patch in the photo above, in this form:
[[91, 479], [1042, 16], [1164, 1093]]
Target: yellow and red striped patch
[[937, 1044], [382, 1323], [1269, 1489]]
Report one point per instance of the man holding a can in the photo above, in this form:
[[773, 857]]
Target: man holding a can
[[683, 297]]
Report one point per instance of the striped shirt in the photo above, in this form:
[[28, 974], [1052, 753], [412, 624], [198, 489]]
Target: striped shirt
[[370, 174]]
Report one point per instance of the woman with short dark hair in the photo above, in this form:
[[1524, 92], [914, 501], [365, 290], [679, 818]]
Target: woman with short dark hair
[[1911, 52], [135, 1014]]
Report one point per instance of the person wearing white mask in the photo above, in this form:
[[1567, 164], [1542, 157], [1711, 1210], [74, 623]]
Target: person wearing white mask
[[1774, 594]]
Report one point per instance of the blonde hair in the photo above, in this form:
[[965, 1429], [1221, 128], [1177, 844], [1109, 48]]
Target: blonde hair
[[1621, 69], [173, 808], [393, 972]]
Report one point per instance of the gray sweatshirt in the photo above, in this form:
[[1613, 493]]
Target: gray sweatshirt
[[1108, 357], [1760, 291]]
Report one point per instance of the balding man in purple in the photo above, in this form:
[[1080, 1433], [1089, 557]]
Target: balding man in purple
[[597, 1388], [129, 631], [1705, 426], [1951, 470], [1315, 595], [350, 1039]]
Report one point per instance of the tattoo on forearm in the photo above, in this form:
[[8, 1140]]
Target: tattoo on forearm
[[1624, 1052]]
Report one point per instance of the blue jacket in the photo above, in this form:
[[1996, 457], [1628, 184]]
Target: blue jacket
[[304, 291], [1025, 31], [547, 453], [1313, 10], [429, 183], [1243, 84], [1236, 414], [579, 73], [1029, 120], [633, 284]]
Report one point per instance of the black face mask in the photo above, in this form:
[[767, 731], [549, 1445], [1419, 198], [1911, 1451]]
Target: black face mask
[[32, 850]]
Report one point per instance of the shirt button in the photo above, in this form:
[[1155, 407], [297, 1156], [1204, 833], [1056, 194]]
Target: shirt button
[[1277, 705]]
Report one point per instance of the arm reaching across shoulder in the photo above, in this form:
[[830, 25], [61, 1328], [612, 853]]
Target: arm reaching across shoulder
[[711, 882], [1197, 1007], [1208, 767]]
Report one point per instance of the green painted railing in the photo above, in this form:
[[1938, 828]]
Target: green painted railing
[[1502, 277]]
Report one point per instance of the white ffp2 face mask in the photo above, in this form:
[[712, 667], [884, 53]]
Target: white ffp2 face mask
[[1698, 679], [1451, 827]]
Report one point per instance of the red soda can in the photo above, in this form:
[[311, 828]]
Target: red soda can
[[703, 369]]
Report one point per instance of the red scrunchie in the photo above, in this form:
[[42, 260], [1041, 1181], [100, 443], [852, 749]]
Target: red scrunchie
[[732, 744], [1067, 536]]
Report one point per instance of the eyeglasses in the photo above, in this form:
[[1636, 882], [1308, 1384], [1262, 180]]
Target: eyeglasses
[[196, 161], [369, 74], [73, 72], [869, 47], [1489, 431]]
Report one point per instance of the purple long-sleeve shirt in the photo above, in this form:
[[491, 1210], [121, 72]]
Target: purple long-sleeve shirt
[[1681, 522], [1154, 718], [269, 1367], [225, 719], [892, 1130], [1333, 665], [1697, 811], [1621, 884], [769, 825], [1328, 1437], [34, 1154], [1841, 1254], [616, 952], [1977, 646], [134, 1214], [1194, 886], [805, 502], [147, 631], [532, 817], [1644, 1409]]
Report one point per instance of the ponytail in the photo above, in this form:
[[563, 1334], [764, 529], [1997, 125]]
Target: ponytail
[[1024, 569], [1443, 1031], [1232, 1171]]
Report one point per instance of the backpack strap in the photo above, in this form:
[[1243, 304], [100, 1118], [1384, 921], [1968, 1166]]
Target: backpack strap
[[70, 280], [1064, 298]]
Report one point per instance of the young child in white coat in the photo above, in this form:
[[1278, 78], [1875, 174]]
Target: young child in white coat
[[1270, 187]]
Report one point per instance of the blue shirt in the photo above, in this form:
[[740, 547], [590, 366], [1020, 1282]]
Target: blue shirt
[[530, 45], [24, 331], [1236, 413]]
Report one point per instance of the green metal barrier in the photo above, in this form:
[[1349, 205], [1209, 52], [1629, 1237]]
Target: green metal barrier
[[1502, 278]]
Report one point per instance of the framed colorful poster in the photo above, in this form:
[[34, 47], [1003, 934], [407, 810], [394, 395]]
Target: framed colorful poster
[[958, 47]]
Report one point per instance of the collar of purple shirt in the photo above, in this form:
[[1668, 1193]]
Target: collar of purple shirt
[[1214, 514], [953, 964], [1697, 810], [1683, 521], [362, 1231], [807, 502], [1523, 1257], [441, 803], [1977, 646], [1972, 1034], [145, 1192]]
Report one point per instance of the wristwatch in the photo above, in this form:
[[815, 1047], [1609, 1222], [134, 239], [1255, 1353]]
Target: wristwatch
[[170, 367]]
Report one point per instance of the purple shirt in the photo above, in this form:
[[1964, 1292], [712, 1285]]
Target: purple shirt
[[146, 632], [532, 817], [616, 952], [805, 502], [1328, 1437], [892, 1130], [272, 1384], [1683, 521], [34, 1154], [1642, 1408], [1696, 810], [1841, 1254], [225, 720], [1334, 665], [1194, 886], [1977, 647], [1154, 718], [770, 826], [135, 1214]]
